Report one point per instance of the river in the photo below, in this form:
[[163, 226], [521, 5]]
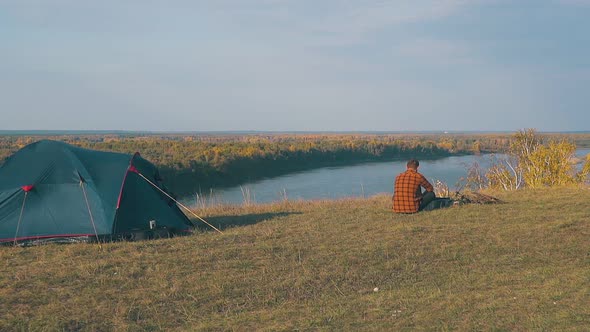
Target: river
[[359, 180]]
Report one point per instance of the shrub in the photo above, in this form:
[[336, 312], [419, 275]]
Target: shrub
[[533, 163]]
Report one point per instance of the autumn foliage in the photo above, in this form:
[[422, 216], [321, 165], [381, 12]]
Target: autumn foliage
[[535, 162], [191, 163]]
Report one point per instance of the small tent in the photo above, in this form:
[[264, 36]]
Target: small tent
[[52, 190]]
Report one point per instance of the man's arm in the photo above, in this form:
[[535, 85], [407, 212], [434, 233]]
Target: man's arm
[[424, 183]]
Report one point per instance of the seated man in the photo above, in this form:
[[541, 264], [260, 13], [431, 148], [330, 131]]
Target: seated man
[[407, 196]]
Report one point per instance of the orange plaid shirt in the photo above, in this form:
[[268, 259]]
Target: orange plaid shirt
[[407, 193]]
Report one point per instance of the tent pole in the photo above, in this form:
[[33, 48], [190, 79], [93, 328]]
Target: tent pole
[[177, 202], [90, 212], [20, 218]]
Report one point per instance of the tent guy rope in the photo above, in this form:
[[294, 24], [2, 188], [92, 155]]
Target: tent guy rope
[[177, 202]]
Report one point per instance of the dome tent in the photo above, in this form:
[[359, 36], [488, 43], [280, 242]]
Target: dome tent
[[52, 190]]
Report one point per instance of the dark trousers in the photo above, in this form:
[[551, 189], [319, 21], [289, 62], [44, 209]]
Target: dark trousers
[[427, 197]]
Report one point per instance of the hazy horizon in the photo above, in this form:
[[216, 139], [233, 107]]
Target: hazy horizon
[[58, 132], [295, 66]]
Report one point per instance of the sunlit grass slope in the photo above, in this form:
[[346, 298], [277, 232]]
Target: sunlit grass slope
[[342, 265]]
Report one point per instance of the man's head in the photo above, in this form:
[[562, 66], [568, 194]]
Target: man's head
[[413, 164]]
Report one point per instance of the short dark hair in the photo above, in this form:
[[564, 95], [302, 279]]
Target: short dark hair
[[413, 163]]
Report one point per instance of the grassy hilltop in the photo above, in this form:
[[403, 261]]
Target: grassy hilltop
[[523, 265]]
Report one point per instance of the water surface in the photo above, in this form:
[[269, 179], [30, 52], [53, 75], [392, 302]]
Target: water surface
[[346, 181]]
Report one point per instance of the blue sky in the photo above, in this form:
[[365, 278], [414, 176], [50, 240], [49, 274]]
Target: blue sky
[[295, 65]]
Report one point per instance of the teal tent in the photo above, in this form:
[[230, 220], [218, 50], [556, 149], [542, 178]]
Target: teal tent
[[52, 190]]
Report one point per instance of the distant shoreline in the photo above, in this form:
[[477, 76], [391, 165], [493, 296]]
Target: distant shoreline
[[195, 162]]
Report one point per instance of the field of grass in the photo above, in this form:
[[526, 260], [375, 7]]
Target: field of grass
[[334, 265]]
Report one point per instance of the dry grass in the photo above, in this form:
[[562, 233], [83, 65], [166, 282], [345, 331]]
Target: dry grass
[[523, 265]]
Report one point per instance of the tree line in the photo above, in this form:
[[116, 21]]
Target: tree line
[[192, 163]]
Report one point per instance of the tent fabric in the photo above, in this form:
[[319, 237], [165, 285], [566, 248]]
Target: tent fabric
[[49, 189]]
